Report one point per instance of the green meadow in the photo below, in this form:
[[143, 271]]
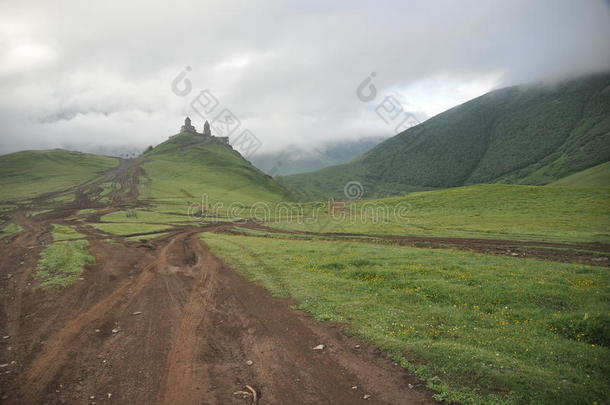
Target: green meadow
[[128, 228], [9, 229], [146, 216], [479, 329], [63, 263], [62, 232], [484, 211]]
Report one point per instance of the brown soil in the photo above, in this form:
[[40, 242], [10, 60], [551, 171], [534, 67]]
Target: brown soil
[[166, 322]]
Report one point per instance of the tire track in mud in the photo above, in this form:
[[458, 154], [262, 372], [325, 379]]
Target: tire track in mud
[[186, 325], [228, 321], [19, 259], [57, 350], [185, 375], [218, 321], [59, 346]]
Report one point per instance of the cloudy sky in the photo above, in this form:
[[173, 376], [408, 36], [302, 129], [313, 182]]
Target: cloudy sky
[[82, 74]]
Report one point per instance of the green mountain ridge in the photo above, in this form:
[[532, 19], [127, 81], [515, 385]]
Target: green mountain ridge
[[531, 135]]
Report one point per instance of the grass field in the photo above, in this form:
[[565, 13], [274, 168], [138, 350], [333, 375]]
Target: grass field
[[62, 263], [62, 232], [485, 211], [27, 174], [141, 221], [480, 329], [147, 216], [9, 229], [129, 228]]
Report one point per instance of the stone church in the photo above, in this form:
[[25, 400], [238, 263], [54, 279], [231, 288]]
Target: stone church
[[207, 132]]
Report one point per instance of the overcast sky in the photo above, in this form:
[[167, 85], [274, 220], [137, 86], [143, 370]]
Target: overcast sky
[[83, 74]]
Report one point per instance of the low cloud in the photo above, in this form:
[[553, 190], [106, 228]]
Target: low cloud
[[81, 76]]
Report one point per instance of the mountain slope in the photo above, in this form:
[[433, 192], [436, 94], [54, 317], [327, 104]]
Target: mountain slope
[[29, 173], [597, 176], [522, 135], [185, 168]]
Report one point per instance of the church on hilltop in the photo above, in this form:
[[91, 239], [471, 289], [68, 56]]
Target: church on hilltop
[[207, 132]]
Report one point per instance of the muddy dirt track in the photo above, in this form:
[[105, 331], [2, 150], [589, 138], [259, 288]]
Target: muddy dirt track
[[166, 322], [593, 254]]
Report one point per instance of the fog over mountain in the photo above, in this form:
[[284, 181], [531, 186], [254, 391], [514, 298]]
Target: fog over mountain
[[296, 159], [86, 77]]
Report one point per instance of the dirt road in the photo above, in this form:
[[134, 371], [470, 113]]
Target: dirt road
[[166, 322], [173, 325], [593, 254]]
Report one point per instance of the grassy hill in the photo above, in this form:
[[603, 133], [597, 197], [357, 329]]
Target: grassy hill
[[597, 176], [521, 135], [26, 174], [184, 168]]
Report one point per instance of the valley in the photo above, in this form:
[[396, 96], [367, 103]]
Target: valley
[[125, 287]]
